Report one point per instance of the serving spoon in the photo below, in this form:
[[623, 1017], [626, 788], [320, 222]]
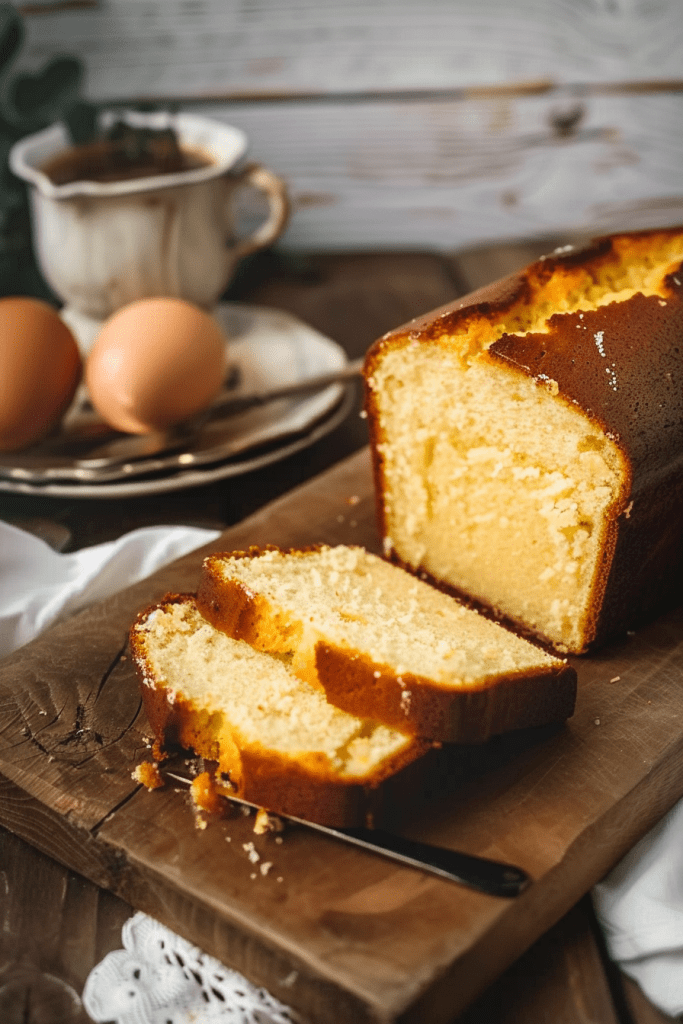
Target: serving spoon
[[130, 447]]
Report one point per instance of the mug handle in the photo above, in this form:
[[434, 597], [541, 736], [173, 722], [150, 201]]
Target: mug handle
[[274, 188]]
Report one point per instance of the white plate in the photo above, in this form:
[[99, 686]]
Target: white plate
[[269, 348]]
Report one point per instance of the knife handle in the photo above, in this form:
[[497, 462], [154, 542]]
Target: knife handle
[[489, 876]]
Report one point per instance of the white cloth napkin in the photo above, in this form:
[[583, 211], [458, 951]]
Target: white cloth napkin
[[38, 586], [640, 908]]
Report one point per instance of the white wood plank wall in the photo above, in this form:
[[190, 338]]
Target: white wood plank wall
[[423, 123]]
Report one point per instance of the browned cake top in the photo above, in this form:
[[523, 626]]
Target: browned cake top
[[579, 322], [622, 364]]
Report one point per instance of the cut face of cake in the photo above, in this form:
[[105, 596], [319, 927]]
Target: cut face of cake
[[528, 440]]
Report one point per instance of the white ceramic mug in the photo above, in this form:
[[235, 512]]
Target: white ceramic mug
[[101, 245]]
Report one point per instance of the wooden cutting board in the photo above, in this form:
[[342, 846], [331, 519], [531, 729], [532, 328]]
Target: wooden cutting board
[[339, 933]]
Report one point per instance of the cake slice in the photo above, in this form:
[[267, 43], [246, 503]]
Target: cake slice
[[383, 644], [527, 440], [277, 741]]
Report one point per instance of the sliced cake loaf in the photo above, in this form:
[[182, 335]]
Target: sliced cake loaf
[[528, 440], [280, 744], [383, 644]]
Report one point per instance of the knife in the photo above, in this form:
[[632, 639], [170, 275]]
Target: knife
[[492, 877]]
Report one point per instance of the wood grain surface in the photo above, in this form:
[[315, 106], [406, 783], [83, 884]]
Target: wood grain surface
[[333, 47], [345, 934], [48, 944], [415, 123]]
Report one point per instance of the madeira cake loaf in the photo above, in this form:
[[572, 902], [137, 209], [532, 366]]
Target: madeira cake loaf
[[527, 440]]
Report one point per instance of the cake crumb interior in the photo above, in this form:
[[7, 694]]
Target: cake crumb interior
[[361, 603], [497, 489]]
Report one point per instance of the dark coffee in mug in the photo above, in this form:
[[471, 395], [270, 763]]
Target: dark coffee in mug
[[107, 161]]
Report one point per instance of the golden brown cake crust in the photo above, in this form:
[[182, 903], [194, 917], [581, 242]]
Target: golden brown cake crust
[[422, 708], [621, 364], [232, 608]]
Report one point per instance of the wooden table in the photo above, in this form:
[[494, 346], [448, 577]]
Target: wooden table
[[58, 924]]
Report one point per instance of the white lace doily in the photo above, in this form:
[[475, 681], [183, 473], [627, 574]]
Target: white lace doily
[[159, 978]]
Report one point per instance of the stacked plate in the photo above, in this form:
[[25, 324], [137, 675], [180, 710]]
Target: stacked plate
[[267, 349]]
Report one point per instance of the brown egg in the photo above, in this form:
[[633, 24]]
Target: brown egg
[[40, 367], [154, 363]]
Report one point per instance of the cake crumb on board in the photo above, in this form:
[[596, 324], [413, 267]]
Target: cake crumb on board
[[266, 822], [147, 773]]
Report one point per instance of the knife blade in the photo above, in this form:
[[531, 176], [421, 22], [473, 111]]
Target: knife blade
[[495, 878]]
